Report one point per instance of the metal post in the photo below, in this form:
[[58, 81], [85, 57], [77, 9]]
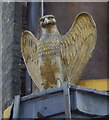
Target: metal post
[[67, 101], [16, 107]]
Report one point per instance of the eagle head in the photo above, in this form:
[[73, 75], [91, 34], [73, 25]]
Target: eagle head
[[47, 21]]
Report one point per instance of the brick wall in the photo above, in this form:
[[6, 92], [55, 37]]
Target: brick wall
[[0, 60], [11, 34]]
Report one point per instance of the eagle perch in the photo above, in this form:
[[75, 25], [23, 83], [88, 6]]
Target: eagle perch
[[56, 58]]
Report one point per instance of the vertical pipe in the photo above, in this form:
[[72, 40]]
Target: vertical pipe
[[42, 12], [33, 16], [42, 7]]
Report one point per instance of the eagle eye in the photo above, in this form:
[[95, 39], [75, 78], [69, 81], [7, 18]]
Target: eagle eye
[[42, 19], [49, 18], [52, 17]]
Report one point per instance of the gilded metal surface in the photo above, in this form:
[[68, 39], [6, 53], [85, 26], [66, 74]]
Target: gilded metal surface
[[55, 58]]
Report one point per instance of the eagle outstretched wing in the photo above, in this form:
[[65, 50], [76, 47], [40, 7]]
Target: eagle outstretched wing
[[77, 46], [29, 53]]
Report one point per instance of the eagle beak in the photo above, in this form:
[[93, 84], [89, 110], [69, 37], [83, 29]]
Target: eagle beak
[[54, 20], [46, 20]]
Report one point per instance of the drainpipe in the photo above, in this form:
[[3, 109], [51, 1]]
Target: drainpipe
[[33, 17]]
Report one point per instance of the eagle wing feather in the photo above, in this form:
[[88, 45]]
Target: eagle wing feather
[[77, 46], [29, 53]]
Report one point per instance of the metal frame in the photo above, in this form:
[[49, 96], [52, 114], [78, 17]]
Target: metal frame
[[69, 101]]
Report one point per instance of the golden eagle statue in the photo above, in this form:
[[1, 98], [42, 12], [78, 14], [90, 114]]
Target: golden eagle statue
[[56, 58]]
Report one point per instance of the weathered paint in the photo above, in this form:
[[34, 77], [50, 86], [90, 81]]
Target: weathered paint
[[7, 112], [101, 84]]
